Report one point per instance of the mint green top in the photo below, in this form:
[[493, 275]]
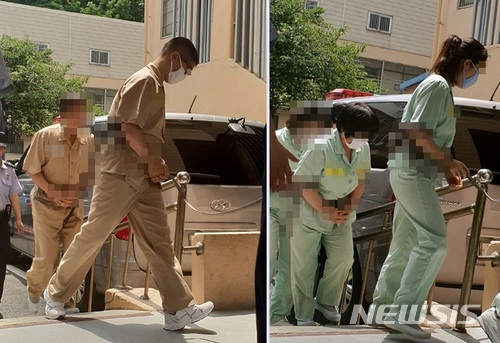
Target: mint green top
[[329, 171], [286, 140], [431, 107]]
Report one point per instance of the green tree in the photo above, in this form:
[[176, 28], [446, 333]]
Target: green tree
[[132, 10], [307, 60], [38, 81]]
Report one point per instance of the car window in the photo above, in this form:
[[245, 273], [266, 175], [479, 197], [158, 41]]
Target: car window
[[477, 138], [212, 154], [389, 114]]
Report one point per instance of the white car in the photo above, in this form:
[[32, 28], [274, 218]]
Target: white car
[[476, 144], [224, 159]]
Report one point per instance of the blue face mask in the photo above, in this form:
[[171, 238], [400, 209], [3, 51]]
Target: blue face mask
[[467, 82]]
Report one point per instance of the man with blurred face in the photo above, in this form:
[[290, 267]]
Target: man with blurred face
[[129, 185], [57, 162]]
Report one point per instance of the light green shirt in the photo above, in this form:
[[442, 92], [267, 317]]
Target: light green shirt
[[431, 107], [329, 171], [286, 140]]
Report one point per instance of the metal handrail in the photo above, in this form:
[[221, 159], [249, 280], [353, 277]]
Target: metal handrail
[[479, 181], [180, 182], [466, 183]]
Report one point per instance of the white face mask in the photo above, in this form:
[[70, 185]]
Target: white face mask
[[357, 143], [178, 75]]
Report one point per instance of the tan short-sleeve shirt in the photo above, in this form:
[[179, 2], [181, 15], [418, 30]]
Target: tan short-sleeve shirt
[[141, 101], [60, 161]]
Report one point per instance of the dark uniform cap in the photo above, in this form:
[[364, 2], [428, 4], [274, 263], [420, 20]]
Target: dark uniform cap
[[3, 139]]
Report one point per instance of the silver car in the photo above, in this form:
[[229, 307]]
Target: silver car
[[224, 159]]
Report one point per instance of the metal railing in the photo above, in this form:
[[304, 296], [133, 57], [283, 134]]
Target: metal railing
[[180, 182], [479, 181]]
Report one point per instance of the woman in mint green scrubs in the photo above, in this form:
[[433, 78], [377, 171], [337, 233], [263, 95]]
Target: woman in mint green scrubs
[[331, 178], [279, 246], [420, 153], [307, 124]]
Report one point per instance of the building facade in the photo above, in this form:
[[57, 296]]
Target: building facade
[[398, 35], [107, 50], [231, 40]]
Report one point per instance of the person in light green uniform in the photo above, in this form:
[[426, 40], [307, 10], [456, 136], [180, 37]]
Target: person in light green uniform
[[331, 179], [308, 125], [279, 251], [419, 156]]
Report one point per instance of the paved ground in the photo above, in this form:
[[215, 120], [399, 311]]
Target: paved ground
[[127, 326], [366, 334], [124, 326]]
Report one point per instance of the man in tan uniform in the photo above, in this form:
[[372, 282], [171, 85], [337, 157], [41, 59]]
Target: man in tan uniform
[[129, 186], [57, 162]]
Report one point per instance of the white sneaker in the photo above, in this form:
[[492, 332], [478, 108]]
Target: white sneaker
[[188, 315], [413, 330], [33, 304], [330, 312], [306, 323], [490, 324], [53, 309], [282, 322]]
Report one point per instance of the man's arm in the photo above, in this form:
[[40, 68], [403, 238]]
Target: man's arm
[[59, 195], [14, 202], [279, 170], [157, 169], [40, 180]]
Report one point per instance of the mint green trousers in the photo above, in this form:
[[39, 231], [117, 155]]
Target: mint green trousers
[[418, 247], [305, 245], [281, 297]]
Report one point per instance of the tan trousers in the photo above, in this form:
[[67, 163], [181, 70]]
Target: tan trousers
[[49, 232], [138, 198]]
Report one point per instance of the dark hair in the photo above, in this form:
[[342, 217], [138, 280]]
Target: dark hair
[[71, 102], [454, 51], [357, 117], [310, 113], [184, 47], [336, 108]]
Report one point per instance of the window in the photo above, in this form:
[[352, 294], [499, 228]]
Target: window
[[465, 3], [211, 154], [485, 26], [249, 45], [167, 26], [41, 46], [310, 4], [102, 97], [191, 19], [99, 57], [379, 22]]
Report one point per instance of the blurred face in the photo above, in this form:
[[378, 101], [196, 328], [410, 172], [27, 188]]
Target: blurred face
[[76, 115], [310, 133]]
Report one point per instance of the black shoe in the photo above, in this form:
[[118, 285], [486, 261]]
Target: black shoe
[[1, 316]]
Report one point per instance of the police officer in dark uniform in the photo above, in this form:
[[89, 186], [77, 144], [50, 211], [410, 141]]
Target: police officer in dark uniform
[[9, 201]]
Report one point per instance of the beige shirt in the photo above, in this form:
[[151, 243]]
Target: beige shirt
[[60, 161], [141, 101]]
